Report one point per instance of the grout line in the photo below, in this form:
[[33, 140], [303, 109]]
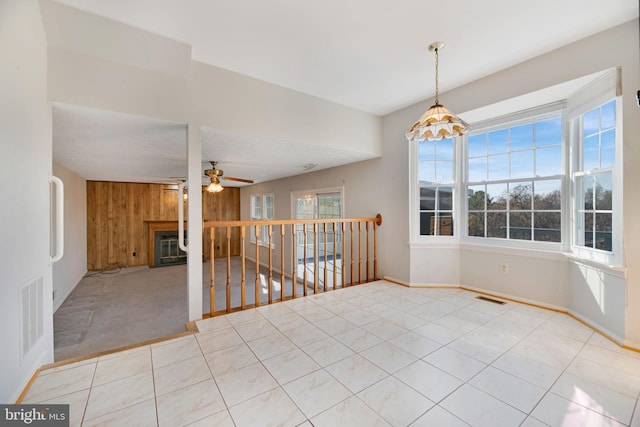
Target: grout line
[[155, 394], [86, 404]]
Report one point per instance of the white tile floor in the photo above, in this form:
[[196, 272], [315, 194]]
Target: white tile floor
[[369, 355]]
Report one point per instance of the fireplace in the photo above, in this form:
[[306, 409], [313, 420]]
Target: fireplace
[[163, 244], [166, 250]]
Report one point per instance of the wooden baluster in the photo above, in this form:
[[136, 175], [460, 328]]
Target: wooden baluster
[[343, 273], [367, 228], [294, 261], [243, 283], [335, 270], [324, 230], [315, 257], [352, 245], [257, 301], [282, 278], [270, 281], [228, 269], [359, 252], [304, 261], [212, 288]]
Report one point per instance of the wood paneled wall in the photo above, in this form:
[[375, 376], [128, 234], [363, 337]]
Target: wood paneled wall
[[117, 234], [213, 209]]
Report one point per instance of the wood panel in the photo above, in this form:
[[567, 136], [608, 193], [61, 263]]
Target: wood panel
[[117, 234], [224, 206], [137, 210]]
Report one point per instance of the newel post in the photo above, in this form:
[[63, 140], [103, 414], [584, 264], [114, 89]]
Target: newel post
[[376, 224]]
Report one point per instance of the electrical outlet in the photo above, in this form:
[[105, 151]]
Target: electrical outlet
[[504, 268]]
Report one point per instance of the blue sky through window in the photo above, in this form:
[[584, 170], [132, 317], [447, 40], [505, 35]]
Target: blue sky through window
[[522, 151]]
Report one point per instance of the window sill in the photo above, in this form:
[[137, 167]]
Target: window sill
[[544, 251], [435, 242], [497, 246], [612, 269], [539, 250]]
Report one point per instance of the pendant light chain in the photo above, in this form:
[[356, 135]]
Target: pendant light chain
[[436, 50]]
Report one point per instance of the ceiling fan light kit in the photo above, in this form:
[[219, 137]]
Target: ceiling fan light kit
[[215, 186], [216, 174], [438, 122]]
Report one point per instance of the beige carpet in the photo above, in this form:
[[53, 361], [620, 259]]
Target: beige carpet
[[118, 308]]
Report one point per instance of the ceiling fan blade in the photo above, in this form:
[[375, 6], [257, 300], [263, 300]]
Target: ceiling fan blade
[[248, 181]]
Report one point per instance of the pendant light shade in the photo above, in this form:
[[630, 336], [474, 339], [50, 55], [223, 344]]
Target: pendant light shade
[[438, 122]]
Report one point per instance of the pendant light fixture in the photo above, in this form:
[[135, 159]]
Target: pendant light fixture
[[438, 122]]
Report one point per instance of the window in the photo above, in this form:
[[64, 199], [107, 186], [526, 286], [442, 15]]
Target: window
[[318, 204], [514, 180], [436, 186], [546, 177], [593, 177], [261, 208]]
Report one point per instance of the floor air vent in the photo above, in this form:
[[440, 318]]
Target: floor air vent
[[495, 301]]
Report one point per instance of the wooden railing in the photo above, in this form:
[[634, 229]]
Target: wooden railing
[[292, 258]]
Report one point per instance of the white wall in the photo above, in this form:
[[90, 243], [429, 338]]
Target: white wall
[[73, 266], [25, 167], [434, 265], [533, 276], [211, 97], [598, 296], [367, 191], [134, 75]]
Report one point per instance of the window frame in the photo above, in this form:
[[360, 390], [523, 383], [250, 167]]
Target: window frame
[[315, 192], [263, 239], [310, 233], [615, 256], [600, 88], [532, 116], [437, 187], [416, 238]]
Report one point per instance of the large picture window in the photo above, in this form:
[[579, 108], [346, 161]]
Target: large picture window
[[514, 181]]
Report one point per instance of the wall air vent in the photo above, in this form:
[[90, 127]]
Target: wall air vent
[[495, 301], [31, 305]]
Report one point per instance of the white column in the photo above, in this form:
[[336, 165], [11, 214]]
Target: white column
[[194, 221]]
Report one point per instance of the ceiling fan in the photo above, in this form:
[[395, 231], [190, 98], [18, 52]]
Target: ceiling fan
[[216, 174]]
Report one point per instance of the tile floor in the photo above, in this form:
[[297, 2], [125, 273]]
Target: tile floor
[[371, 355]]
